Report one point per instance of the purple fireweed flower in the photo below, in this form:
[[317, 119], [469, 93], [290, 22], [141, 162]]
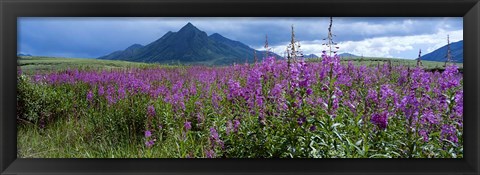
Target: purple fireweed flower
[[301, 120], [305, 75], [110, 90], [151, 110], [200, 117], [215, 99], [90, 95], [403, 77], [214, 134], [236, 125], [259, 101], [254, 79], [268, 64], [448, 79], [458, 108], [101, 91], [235, 90], [380, 120], [193, 89], [386, 91], [198, 104], [309, 101], [187, 125], [149, 143], [215, 139], [111, 100], [344, 79], [309, 91], [353, 95], [37, 78], [409, 105], [121, 92], [451, 70], [335, 101], [294, 77], [178, 100], [372, 95], [430, 117], [424, 134], [177, 86], [449, 132], [276, 91], [210, 153], [148, 133]]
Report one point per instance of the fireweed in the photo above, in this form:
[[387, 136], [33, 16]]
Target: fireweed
[[271, 109]]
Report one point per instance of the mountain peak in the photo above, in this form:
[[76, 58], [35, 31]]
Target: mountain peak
[[189, 27], [216, 35], [189, 45], [134, 46]]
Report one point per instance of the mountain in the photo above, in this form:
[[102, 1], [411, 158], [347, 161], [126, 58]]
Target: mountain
[[189, 46], [456, 51], [125, 54], [348, 55], [23, 55], [311, 56]]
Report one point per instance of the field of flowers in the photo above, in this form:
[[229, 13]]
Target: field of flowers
[[270, 109]]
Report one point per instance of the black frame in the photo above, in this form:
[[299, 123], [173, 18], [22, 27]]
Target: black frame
[[10, 10]]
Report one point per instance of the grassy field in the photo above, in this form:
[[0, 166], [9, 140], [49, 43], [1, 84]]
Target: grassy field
[[248, 111], [372, 61], [34, 64], [42, 64]]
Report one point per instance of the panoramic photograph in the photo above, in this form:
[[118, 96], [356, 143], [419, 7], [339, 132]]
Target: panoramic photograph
[[240, 87]]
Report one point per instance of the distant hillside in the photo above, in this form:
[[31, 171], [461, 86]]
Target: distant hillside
[[125, 54], [23, 55], [311, 56], [348, 55], [456, 50], [189, 46]]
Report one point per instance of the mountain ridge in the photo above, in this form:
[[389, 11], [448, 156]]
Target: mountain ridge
[[456, 50], [348, 55], [189, 45]]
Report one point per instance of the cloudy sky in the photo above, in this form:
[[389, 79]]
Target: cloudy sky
[[397, 37]]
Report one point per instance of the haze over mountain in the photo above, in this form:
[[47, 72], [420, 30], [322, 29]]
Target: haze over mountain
[[189, 46], [348, 55], [456, 51]]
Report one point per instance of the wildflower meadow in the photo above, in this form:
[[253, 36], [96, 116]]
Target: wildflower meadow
[[271, 109]]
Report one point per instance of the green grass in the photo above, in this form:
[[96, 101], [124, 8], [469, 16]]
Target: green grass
[[43, 64], [78, 139], [372, 61]]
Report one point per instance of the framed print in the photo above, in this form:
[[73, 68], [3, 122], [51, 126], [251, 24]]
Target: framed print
[[260, 87]]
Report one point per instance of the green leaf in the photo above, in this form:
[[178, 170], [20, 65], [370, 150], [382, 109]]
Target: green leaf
[[336, 125], [358, 142], [380, 156]]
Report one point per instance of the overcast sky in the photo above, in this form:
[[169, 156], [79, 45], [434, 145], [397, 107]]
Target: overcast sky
[[397, 37]]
